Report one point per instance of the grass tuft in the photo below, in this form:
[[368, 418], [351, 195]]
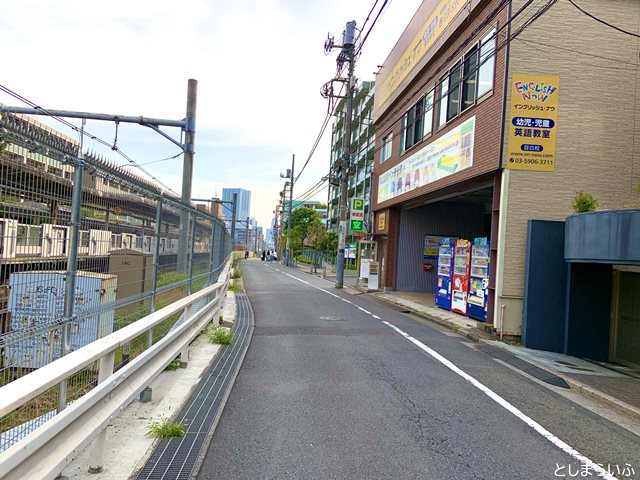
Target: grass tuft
[[233, 287], [163, 428], [174, 365], [220, 335], [237, 273]]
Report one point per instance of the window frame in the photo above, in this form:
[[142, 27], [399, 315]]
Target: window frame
[[412, 123], [443, 102], [387, 141]]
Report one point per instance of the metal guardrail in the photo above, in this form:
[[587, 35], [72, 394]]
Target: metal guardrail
[[47, 450]]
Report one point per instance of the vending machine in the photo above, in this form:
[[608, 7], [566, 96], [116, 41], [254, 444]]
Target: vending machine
[[460, 288], [443, 282], [479, 279]]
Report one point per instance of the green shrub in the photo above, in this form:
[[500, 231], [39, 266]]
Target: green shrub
[[234, 287], [219, 335], [584, 202], [237, 273], [165, 429], [174, 365]]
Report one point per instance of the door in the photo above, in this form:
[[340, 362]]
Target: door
[[626, 342]]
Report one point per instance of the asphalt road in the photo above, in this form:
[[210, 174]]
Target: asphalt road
[[329, 391]]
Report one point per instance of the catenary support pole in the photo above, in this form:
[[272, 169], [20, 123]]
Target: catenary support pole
[[234, 210], [246, 235], [187, 172]]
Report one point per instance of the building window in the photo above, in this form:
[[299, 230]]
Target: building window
[[387, 142], [453, 103], [487, 63], [443, 90], [427, 122], [468, 80], [417, 123]]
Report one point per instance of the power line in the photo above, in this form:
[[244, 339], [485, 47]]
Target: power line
[[499, 46], [325, 123], [364, 24], [533, 45], [626, 32], [359, 49], [158, 161], [85, 133]]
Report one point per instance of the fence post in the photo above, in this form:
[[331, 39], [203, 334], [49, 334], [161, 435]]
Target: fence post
[[212, 246], [222, 256], [154, 270], [184, 353], [72, 265], [192, 246], [96, 455]]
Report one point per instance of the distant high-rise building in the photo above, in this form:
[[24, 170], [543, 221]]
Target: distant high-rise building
[[243, 209], [244, 201]]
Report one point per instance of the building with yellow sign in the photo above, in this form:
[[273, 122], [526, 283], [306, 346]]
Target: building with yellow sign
[[490, 116]]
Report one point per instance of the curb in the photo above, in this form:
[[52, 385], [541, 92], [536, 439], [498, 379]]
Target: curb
[[575, 385], [466, 332], [619, 405]]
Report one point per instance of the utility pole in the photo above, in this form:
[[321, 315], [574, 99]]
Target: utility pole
[[291, 177], [187, 172], [233, 220], [347, 54], [246, 238]]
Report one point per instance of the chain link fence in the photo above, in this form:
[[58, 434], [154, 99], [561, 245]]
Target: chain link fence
[[86, 248]]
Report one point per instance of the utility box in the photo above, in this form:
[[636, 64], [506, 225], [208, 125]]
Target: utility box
[[134, 271], [99, 242], [36, 308]]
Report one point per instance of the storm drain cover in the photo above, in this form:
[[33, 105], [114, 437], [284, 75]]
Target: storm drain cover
[[179, 458]]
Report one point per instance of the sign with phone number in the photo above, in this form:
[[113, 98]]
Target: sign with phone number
[[533, 122]]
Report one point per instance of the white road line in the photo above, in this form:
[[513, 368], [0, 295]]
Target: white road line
[[502, 402], [375, 316]]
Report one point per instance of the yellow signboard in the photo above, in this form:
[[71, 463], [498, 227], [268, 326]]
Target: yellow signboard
[[382, 221], [438, 21], [533, 123]]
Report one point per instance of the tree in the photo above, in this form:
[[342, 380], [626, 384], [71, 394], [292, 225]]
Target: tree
[[306, 225], [328, 242]]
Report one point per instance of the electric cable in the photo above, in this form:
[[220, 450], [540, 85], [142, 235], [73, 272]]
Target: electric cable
[[364, 24], [359, 48], [85, 133], [590, 15]]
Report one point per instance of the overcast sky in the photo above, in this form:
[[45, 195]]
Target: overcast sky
[[259, 65]]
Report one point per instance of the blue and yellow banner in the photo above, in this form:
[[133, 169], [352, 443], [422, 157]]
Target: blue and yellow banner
[[533, 123]]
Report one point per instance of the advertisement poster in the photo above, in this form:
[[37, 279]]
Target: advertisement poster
[[444, 156], [431, 244], [533, 123]]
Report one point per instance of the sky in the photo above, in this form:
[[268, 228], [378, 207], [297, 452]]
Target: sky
[[259, 66]]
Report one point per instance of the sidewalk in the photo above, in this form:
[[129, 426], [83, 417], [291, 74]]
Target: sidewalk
[[616, 386]]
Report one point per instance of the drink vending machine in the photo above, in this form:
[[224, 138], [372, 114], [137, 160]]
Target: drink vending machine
[[479, 279], [460, 281], [443, 282]]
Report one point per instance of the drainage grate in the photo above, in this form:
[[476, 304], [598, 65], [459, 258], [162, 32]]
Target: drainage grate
[[180, 458]]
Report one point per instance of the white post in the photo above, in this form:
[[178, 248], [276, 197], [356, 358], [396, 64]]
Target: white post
[[96, 455], [184, 353]]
